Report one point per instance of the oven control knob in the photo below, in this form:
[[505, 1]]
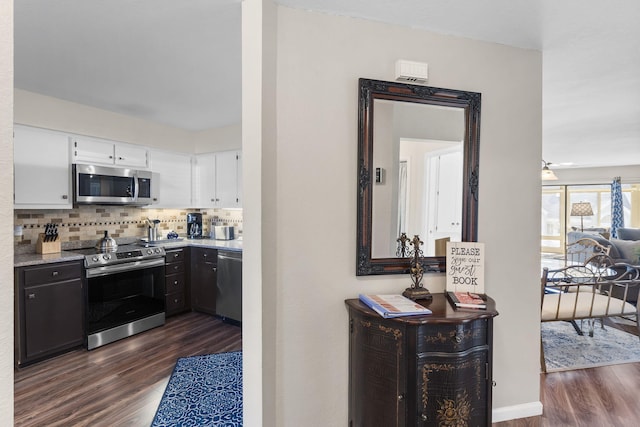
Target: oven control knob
[[106, 256], [95, 258], [149, 251], [157, 250]]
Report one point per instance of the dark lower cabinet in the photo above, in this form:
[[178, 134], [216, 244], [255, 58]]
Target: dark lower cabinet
[[204, 270], [176, 287], [433, 370], [50, 310]]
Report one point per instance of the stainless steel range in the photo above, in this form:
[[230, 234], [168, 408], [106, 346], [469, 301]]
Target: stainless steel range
[[125, 292]]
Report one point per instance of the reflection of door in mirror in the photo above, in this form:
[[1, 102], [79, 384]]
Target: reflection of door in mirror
[[406, 137], [444, 197]]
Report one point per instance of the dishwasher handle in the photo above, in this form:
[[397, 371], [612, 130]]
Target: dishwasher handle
[[230, 257]]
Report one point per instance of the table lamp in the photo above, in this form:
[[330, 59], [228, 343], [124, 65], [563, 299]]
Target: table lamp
[[581, 209]]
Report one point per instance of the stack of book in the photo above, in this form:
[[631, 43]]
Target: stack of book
[[468, 300], [389, 306]]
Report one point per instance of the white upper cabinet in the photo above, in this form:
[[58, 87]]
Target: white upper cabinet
[[97, 151], [42, 175], [171, 182], [218, 181], [204, 183]]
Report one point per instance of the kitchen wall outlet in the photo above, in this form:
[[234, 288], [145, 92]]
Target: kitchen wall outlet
[[379, 176]]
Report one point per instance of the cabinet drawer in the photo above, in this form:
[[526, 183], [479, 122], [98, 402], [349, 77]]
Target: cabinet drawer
[[174, 256], [204, 255], [174, 268], [52, 273], [174, 283], [452, 337], [174, 303]]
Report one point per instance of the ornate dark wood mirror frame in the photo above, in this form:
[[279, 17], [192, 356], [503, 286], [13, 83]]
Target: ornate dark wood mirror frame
[[371, 90]]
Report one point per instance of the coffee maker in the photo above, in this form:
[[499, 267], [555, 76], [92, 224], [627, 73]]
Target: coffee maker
[[194, 225]]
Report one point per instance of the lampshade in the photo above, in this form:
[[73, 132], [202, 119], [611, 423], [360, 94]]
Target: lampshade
[[581, 209], [547, 174]]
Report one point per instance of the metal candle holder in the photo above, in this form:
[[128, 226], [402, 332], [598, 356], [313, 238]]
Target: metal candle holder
[[416, 270]]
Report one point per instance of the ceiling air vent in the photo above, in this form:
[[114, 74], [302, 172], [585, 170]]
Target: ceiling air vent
[[411, 72]]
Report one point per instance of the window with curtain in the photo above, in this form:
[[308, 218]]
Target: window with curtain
[[556, 207]]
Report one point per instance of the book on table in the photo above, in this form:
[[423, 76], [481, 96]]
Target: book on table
[[393, 305], [467, 300]]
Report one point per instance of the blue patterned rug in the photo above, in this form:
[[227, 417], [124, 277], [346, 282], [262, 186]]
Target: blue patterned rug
[[565, 350], [203, 391]]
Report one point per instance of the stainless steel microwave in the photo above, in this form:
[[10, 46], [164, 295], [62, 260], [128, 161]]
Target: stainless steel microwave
[[105, 185]]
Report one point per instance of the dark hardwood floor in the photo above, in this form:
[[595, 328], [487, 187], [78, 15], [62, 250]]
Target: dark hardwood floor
[[120, 384], [597, 397]]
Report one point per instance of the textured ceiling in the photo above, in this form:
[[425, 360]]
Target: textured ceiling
[[178, 62]]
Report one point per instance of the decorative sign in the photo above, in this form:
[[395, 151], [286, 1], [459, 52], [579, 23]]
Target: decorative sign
[[465, 267]]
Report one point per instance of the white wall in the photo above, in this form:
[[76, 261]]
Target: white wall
[[259, 272], [320, 58], [6, 211], [218, 139], [52, 113]]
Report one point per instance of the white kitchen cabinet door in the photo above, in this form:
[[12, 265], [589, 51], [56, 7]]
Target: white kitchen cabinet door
[[239, 180], [227, 178], [42, 173], [91, 151], [171, 179], [96, 151], [218, 180], [205, 181], [131, 156]]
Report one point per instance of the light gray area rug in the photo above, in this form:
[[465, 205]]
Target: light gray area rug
[[565, 350]]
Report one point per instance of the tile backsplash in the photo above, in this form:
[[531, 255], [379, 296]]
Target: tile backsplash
[[83, 226]]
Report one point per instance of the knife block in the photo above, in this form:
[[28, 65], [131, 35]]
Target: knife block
[[43, 247]]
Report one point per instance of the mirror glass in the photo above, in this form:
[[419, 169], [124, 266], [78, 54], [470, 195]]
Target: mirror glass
[[418, 172], [417, 151]]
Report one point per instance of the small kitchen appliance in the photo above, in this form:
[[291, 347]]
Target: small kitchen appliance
[[104, 185], [194, 225], [223, 232]]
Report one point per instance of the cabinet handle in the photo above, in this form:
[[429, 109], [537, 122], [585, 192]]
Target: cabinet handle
[[176, 255], [175, 283], [111, 157], [54, 273], [176, 267], [65, 197], [204, 255], [175, 300], [31, 296], [423, 417], [401, 397], [215, 269], [457, 338], [120, 158]]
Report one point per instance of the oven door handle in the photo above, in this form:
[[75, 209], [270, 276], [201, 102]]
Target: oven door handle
[[124, 267]]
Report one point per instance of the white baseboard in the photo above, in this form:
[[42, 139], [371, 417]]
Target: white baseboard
[[524, 410]]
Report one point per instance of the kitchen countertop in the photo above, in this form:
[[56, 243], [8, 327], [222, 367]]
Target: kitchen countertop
[[24, 260]]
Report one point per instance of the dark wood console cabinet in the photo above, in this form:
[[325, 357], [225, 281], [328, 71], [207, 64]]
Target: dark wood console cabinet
[[49, 310], [433, 370]]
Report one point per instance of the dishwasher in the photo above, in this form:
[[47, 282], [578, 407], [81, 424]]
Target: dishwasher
[[229, 292]]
